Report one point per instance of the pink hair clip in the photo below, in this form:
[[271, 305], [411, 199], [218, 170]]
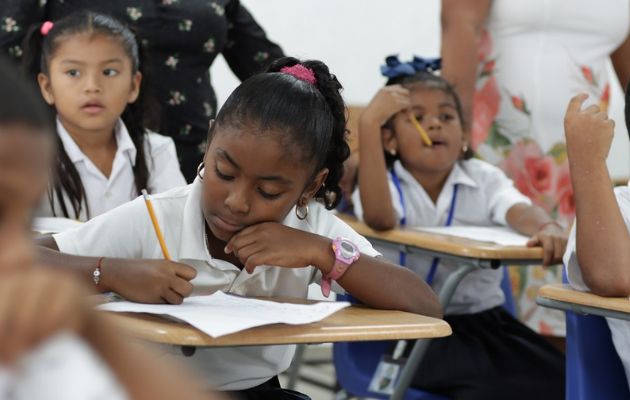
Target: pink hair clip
[[46, 27], [300, 72]]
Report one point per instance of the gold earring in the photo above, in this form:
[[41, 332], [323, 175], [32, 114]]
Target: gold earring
[[199, 168], [301, 212]]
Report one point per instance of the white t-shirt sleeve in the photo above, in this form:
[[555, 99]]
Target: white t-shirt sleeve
[[574, 274], [164, 171], [51, 372], [501, 193], [116, 233], [358, 207]]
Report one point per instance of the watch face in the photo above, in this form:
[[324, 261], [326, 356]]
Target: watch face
[[347, 249]]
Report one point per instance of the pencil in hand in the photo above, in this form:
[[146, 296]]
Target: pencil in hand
[[156, 226], [423, 134]]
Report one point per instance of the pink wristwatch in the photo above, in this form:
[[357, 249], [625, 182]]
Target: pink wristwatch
[[346, 253]]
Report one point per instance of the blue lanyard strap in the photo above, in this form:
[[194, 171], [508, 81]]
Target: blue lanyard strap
[[403, 220], [449, 221], [402, 256], [402, 259]]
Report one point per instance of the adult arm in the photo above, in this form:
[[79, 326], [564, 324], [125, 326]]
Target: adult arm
[[248, 50], [621, 62], [462, 25]]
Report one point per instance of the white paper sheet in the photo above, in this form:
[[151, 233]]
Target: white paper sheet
[[495, 234], [47, 225], [221, 314]]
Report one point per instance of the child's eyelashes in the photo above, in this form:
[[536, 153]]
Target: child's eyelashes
[[263, 193], [444, 117], [110, 72], [269, 196], [222, 176]]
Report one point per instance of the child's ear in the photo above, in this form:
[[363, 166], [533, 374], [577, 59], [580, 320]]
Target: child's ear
[[390, 144], [314, 186], [135, 87], [45, 89]]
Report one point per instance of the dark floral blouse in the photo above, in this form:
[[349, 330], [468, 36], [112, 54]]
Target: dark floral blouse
[[183, 37]]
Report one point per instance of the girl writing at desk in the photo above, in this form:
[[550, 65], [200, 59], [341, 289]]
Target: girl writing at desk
[[53, 344], [406, 179], [255, 222]]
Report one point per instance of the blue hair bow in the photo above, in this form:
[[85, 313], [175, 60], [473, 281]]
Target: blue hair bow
[[394, 68]]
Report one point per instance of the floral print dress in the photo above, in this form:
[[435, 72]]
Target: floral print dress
[[183, 37], [533, 57]]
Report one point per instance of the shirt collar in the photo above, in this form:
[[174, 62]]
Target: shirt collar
[[123, 142], [458, 175]]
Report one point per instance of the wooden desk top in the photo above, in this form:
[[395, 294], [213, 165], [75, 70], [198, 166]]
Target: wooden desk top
[[565, 293], [355, 323], [453, 245]]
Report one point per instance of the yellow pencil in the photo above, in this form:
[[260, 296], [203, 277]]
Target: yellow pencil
[[425, 138], [156, 226]]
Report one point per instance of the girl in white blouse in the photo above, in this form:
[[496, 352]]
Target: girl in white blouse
[[406, 181], [89, 69]]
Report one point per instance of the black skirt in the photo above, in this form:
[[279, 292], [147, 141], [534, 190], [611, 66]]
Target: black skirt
[[267, 391], [491, 355]]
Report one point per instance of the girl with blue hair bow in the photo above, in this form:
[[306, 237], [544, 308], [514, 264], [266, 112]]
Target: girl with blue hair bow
[[406, 181]]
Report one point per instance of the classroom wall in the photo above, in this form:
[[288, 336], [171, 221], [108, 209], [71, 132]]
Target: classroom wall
[[353, 36]]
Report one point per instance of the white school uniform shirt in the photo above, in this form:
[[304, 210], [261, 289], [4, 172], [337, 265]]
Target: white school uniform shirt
[[127, 232], [619, 329], [484, 196], [105, 193], [64, 367]]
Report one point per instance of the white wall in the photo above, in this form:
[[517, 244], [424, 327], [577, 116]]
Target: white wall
[[354, 36]]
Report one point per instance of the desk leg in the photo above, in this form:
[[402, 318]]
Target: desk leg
[[296, 364], [417, 353]]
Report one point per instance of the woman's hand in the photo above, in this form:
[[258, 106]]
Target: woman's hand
[[148, 281], [553, 239], [271, 243]]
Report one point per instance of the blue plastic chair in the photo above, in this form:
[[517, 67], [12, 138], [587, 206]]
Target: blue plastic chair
[[355, 362], [593, 367], [594, 370], [506, 286]]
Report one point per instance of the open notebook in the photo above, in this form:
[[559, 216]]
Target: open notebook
[[221, 314], [495, 234]]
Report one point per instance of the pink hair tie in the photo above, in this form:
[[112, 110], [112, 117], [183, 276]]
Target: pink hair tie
[[300, 72], [46, 27]]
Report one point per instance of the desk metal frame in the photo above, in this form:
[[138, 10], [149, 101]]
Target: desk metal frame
[[468, 264], [581, 309]]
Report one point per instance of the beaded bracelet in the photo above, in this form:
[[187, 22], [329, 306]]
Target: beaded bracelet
[[96, 275]]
